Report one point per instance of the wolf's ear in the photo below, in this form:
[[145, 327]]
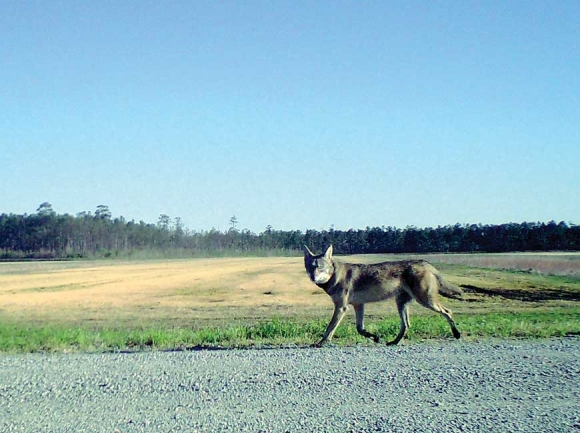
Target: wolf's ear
[[328, 253], [307, 252]]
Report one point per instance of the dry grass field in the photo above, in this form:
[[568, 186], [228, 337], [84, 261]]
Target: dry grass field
[[198, 292], [174, 292]]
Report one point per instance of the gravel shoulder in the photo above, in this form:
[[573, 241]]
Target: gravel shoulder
[[507, 385]]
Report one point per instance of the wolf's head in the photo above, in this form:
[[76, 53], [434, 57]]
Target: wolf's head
[[319, 268]]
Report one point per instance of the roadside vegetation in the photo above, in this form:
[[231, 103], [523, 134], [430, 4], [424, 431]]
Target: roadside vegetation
[[280, 332]]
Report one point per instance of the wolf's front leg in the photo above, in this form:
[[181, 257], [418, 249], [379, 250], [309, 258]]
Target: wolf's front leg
[[403, 300], [339, 312]]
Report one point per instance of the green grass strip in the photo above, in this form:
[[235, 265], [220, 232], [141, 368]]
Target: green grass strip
[[21, 338]]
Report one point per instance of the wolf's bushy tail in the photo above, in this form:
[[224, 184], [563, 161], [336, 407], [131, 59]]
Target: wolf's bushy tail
[[447, 289]]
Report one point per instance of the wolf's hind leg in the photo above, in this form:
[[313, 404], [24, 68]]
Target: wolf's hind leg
[[359, 310], [431, 302], [403, 300], [449, 316]]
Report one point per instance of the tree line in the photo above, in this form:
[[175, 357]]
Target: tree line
[[47, 234]]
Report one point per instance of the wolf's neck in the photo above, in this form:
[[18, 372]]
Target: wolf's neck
[[326, 285]]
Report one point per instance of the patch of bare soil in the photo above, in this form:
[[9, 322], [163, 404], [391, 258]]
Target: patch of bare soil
[[539, 295]]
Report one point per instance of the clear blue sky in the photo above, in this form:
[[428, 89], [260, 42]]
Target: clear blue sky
[[292, 114]]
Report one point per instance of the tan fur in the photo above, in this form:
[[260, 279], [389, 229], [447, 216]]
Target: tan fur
[[358, 284]]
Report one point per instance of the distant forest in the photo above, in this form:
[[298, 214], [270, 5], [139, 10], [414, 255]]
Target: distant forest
[[48, 235]]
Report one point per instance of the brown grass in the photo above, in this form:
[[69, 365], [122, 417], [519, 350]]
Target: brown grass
[[195, 292], [177, 290]]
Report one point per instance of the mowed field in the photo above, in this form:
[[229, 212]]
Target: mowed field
[[205, 292]]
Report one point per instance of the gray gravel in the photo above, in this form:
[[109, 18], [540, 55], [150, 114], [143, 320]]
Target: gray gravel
[[515, 386]]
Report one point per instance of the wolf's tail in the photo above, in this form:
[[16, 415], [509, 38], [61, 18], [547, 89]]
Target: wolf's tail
[[447, 289]]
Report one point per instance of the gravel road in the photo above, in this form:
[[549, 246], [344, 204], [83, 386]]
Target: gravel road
[[511, 386]]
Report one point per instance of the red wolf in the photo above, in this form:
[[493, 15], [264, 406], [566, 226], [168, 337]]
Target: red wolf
[[357, 284]]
